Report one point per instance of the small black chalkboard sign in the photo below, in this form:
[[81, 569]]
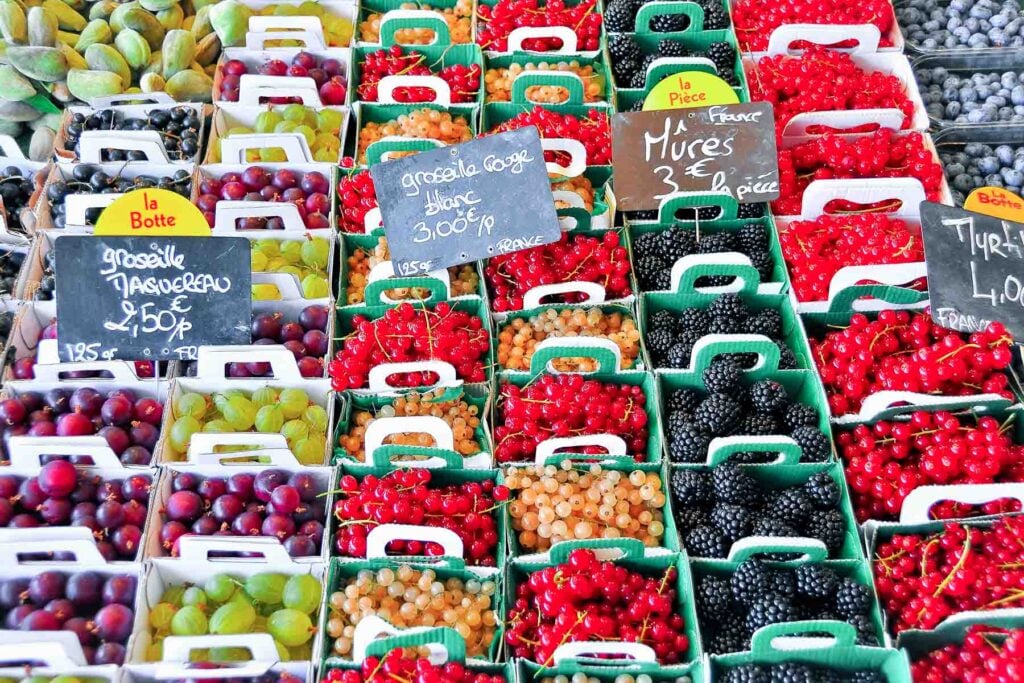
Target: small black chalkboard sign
[[150, 298], [975, 268], [466, 202], [722, 148]]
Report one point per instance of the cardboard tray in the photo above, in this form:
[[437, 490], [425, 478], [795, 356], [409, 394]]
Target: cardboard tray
[[381, 149], [965, 63], [254, 87], [569, 81], [954, 138], [517, 36], [300, 27], [394, 18], [230, 115], [436, 57], [55, 654], [12, 156], [786, 34]]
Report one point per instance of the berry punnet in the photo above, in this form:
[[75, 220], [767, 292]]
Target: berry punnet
[[887, 460], [409, 333], [498, 82], [447, 404], [979, 97], [463, 280], [458, 18], [356, 196], [328, 74], [655, 252], [306, 337], [10, 267], [16, 189], [321, 127], [882, 154], [986, 653], [62, 495], [98, 609], [25, 367], [307, 258], [309, 191], [924, 579], [423, 123], [178, 128], [630, 61], [620, 17], [90, 179], [585, 599], [398, 666], [716, 508], [796, 671], [556, 406], [977, 165], [518, 338], [413, 497], [273, 502], [729, 407], [957, 24], [816, 250], [264, 678], [414, 596], [496, 22], [554, 504], [755, 20], [573, 258], [905, 351], [758, 593], [464, 80], [594, 131], [824, 80]]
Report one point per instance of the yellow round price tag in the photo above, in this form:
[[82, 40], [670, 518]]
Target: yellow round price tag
[[153, 212], [690, 89], [997, 202]]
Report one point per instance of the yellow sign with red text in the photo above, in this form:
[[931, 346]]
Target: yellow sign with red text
[[690, 89], [997, 202], [153, 212]]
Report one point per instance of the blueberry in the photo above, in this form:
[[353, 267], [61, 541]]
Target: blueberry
[[952, 110], [968, 94], [1013, 177], [988, 165], [1017, 95], [954, 169], [963, 182]]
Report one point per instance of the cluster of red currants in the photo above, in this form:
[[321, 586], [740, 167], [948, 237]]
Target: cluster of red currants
[[988, 653], [499, 20], [328, 74], [594, 131], [356, 196], [396, 666], [310, 192], [463, 79], [755, 20]]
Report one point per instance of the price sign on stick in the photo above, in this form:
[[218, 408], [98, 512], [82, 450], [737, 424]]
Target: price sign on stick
[[729, 148], [466, 202], [975, 268], [150, 298]]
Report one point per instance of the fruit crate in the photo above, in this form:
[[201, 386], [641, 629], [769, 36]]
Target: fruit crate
[[607, 358], [695, 39], [727, 220], [249, 672], [92, 458], [516, 38], [435, 57], [783, 554], [227, 213], [632, 555], [299, 21], [602, 671], [919, 644], [51, 659], [804, 645], [785, 35], [341, 572], [572, 212], [382, 278], [206, 465], [93, 142], [914, 46], [394, 17], [451, 472], [195, 567], [497, 113], [898, 198], [952, 141], [380, 454], [255, 87], [378, 380], [78, 556], [696, 19], [77, 206], [11, 157], [801, 386], [537, 74], [211, 378], [228, 146], [385, 148], [964, 65], [687, 295]]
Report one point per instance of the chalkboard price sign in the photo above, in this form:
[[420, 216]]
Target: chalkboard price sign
[[721, 148], [466, 202], [975, 268], [150, 298]]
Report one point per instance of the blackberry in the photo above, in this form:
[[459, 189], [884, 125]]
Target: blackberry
[[722, 376], [672, 48], [660, 340], [773, 526], [688, 444], [758, 425], [733, 485], [713, 598], [730, 636], [749, 581], [732, 520], [695, 319], [624, 69], [691, 487], [649, 270], [791, 506], [622, 46], [691, 518], [787, 359], [865, 676], [755, 210], [768, 396], [865, 629], [718, 414], [703, 541], [618, 16], [677, 421], [799, 415], [722, 54], [753, 237], [822, 490], [763, 263], [646, 244], [683, 400], [663, 319], [678, 356], [715, 17], [828, 526], [770, 609], [678, 242], [781, 582], [639, 78], [716, 243], [767, 322], [791, 672], [852, 599], [669, 23], [724, 325], [813, 442], [728, 306], [815, 581], [748, 673]]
